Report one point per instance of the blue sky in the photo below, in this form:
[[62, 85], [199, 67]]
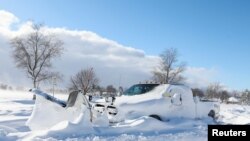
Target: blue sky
[[207, 33]]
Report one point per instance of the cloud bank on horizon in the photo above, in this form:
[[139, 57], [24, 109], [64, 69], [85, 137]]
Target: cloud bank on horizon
[[114, 63]]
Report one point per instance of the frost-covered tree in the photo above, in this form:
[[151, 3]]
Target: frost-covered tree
[[169, 70], [34, 54]]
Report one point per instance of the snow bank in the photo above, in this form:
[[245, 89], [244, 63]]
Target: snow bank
[[47, 114], [4, 131], [234, 114], [16, 108], [144, 128], [185, 136], [3, 134]]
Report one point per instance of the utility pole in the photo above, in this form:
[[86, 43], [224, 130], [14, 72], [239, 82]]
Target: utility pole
[[196, 100]]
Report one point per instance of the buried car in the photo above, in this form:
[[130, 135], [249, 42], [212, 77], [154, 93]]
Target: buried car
[[163, 102], [159, 101]]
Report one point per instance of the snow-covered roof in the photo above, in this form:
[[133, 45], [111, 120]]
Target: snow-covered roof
[[233, 99]]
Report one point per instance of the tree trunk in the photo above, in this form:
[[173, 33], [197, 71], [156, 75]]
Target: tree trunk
[[34, 85], [167, 77]]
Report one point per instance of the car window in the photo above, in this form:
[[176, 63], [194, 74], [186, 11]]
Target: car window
[[137, 90], [140, 89]]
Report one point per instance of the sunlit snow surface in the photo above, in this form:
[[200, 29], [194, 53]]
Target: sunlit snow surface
[[16, 107]]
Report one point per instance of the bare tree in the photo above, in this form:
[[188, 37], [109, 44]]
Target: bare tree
[[111, 89], [169, 70], [224, 96], [34, 53], [214, 90], [245, 97], [3, 86], [84, 80]]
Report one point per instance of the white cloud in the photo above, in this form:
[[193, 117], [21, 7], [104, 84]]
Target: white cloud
[[82, 49], [198, 77], [7, 19], [110, 59]]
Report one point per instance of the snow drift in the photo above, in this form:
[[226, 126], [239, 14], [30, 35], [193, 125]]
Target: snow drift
[[16, 108]]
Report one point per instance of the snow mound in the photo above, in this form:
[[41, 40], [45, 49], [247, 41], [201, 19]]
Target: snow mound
[[47, 114], [234, 114], [144, 128]]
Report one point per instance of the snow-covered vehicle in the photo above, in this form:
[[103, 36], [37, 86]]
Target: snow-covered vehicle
[[160, 101]]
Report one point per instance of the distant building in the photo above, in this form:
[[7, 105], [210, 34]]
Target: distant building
[[233, 100]]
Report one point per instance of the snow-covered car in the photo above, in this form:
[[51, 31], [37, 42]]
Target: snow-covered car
[[161, 101]]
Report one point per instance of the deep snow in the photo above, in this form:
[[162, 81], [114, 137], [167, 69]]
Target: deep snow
[[16, 107]]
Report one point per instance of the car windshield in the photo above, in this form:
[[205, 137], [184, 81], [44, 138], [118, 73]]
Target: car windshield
[[140, 89]]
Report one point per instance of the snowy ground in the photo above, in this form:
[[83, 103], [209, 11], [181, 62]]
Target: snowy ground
[[16, 107]]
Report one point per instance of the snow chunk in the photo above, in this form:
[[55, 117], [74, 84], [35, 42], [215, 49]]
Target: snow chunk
[[47, 114]]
